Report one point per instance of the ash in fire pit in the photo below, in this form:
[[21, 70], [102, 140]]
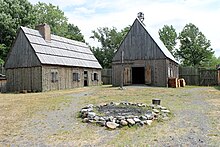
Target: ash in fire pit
[[115, 115], [120, 110]]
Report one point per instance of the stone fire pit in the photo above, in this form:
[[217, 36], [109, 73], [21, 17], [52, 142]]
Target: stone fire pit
[[113, 115]]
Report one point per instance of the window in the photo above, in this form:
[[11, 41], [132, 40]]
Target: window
[[54, 76], [96, 77], [170, 71], [76, 77]]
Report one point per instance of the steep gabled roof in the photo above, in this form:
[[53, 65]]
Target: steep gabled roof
[[141, 43], [60, 50], [155, 37]]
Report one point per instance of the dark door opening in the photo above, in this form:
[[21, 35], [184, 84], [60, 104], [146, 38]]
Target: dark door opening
[[85, 78], [138, 75]]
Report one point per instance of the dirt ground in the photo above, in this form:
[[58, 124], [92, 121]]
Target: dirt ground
[[50, 118]]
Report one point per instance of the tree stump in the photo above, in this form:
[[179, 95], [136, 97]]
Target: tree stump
[[156, 101]]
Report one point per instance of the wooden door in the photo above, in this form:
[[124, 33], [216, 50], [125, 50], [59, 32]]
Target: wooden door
[[127, 76], [86, 78], [148, 75]]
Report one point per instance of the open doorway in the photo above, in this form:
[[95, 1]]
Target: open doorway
[[138, 75], [85, 78]]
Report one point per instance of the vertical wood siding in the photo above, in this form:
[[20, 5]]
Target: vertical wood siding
[[158, 72], [21, 54], [24, 79], [140, 50], [138, 45]]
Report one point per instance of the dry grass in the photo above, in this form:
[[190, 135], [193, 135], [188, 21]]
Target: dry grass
[[16, 108]]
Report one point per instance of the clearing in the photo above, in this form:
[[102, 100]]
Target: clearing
[[50, 118]]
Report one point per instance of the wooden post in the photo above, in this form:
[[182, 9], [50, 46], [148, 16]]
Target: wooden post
[[122, 69]]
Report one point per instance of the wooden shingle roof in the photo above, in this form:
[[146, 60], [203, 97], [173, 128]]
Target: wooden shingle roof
[[60, 50]]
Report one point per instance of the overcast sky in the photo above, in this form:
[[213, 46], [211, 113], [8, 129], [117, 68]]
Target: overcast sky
[[91, 14]]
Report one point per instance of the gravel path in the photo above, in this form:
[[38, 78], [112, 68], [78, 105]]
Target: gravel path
[[35, 131], [189, 127]]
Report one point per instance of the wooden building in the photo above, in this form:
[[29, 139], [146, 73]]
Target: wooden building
[[143, 59], [40, 61], [2, 82]]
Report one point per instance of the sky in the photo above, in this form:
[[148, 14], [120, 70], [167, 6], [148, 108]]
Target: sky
[[89, 15]]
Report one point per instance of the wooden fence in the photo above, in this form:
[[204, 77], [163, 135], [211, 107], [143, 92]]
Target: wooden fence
[[2, 70], [199, 76], [2, 79], [107, 76], [192, 76]]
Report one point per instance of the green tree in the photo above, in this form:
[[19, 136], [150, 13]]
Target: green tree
[[52, 15], [13, 14], [212, 62], [110, 40], [194, 47], [74, 33], [100, 55], [16, 13], [168, 36]]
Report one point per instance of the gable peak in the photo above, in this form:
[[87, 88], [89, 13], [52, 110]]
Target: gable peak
[[140, 17]]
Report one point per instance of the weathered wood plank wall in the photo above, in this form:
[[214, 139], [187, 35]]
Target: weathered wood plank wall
[[106, 76], [199, 76], [190, 74], [138, 45], [158, 71], [140, 50], [24, 79], [65, 77], [2, 85], [22, 54]]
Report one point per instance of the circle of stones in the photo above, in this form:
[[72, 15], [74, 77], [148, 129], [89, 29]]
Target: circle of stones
[[155, 112]]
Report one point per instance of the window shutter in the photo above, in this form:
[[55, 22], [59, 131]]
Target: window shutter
[[56, 76], [92, 77], [78, 76]]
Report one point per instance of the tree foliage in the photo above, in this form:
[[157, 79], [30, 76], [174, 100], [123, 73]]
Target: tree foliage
[[212, 63], [74, 33], [52, 15], [13, 14], [110, 40], [194, 48], [16, 13], [168, 36]]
